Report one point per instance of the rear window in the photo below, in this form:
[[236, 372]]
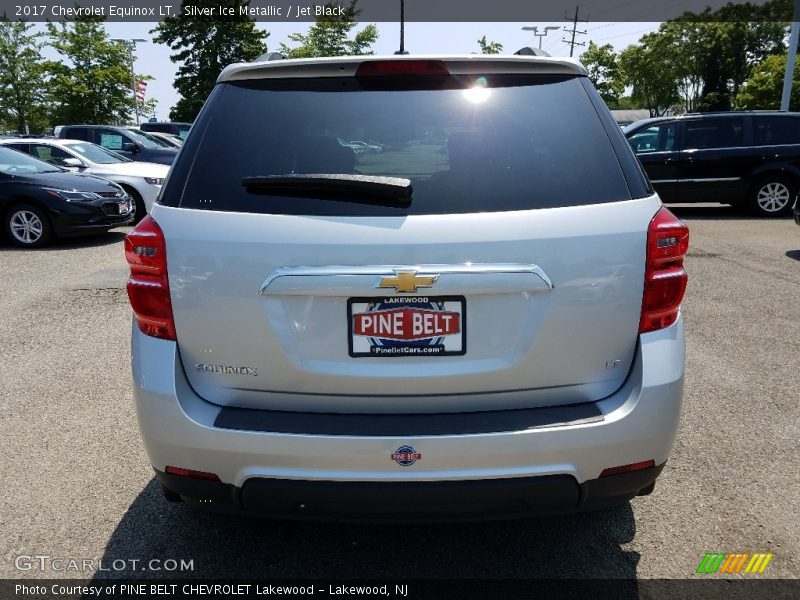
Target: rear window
[[468, 145], [773, 131]]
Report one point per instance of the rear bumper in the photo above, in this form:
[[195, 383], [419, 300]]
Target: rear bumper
[[543, 467], [481, 499]]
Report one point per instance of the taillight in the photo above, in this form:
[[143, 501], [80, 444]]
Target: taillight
[[664, 278], [401, 67], [148, 286]]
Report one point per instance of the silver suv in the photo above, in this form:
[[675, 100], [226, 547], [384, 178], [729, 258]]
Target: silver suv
[[477, 318]]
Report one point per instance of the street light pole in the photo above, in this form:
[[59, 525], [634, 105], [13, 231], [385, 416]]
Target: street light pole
[[130, 44], [536, 33]]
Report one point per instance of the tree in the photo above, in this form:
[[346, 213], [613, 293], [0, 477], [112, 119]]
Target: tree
[[204, 46], [328, 36], [488, 47], [601, 63], [649, 69], [720, 48], [22, 85], [764, 88], [92, 82]]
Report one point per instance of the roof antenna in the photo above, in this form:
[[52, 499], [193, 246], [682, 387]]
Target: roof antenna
[[402, 28]]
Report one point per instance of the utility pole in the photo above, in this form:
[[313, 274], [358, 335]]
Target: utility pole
[[536, 33], [572, 43], [788, 75], [402, 28], [130, 44]]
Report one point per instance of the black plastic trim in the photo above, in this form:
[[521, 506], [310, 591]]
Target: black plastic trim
[[404, 425], [481, 499]]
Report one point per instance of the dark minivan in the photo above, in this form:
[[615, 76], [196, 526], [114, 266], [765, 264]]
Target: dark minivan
[[130, 143], [748, 159]]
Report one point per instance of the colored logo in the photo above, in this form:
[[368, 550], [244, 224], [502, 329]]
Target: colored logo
[[406, 280], [405, 456], [739, 562]]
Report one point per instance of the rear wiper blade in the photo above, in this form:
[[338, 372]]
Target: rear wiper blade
[[338, 186]]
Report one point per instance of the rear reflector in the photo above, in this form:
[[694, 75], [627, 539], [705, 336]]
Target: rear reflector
[[401, 67], [148, 285], [192, 474], [664, 279], [645, 464]]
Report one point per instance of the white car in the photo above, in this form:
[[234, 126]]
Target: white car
[[142, 180], [486, 325]]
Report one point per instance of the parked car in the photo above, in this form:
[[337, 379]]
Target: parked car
[[487, 325], [172, 141], [141, 181], [172, 127], [39, 201], [130, 143], [747, 159]]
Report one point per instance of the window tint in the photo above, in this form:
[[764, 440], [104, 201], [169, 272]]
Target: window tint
[[726, 132], [776, 130], [77, 133], [508, 143], [658, 138], [97, 154], [49, 154]]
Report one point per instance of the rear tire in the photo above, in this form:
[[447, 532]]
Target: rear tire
[[27, 226], [646, 491], [140, 210], [170, 495], [772, 196]]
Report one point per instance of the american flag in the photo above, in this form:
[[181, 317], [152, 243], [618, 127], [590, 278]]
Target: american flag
[[141, 89]]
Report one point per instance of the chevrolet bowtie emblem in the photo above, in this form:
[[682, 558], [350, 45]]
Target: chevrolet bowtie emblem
[[406, 281]]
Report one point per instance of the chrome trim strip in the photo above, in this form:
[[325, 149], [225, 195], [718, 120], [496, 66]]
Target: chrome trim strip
[[387, 270], [706, 180], [710, 179]]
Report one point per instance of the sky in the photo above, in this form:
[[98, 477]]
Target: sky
[[420, 38]]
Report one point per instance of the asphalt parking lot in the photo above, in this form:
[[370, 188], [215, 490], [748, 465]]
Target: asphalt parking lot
[[77, 484]]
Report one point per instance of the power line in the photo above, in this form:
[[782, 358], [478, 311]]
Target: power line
[[622, 35]]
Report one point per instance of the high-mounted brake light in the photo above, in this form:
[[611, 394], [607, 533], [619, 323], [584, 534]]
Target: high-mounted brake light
[[148, 285], [665, 278], [401, 67]]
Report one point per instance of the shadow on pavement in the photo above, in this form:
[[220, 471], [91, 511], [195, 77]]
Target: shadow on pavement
[[85, 241], [221, 546], [795, 254], [708, 211]]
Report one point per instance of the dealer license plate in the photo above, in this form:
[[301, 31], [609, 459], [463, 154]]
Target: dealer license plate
[[398, 326]]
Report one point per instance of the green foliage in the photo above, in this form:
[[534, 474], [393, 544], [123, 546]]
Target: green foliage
[[328, 36], [22, 81], [603, 67], [764, 88], [204, 46], [92, 81], [715, 51], [488, 47], [647, 69], [696, 62]]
